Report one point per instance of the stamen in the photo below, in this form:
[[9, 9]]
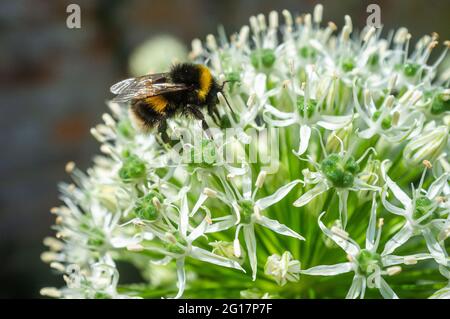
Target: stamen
[[435, 36], [50, 292], [345, 34], [135, 247], [49, 256], [332, 26], [441, 199], [243, 36], [170, 237], [395, 118], [308, 22], [405, 97], [394, 270], [273, 19], [115, 108], [210, 192], [57, 266], [432, 45], [251, 100], [69, 167], [367, 97], [348, 23], [53, 244], [237, 248], [390, 101], [340, 232], [427, 164], [211, 42], [257, 212], [97, 135], [400, 36], [254, 24], [369, 34], [380, 222], [109, 121], [286, 84], [106, 149], [287, 17], [392, 82], [156, 203], [59, 220], [318, 12], [444, 234], [409, 260], [262, 22], [260, 179], [197, 48], [139, 223], [71, 188], [416, 97]]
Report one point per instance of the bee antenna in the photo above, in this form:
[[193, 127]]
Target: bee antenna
[[228, 103], [224, 96], [223, 84]]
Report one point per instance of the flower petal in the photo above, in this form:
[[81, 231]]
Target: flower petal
[[265, 202], [401, 237], [392, 208], [198, 231], [204, 255], [443, 293], [309, 195], [332, 123], [397, 191], [164, 261], [392, 260], [305, 135], [224, 224], [181, 275], [357, 288], [184, 215], [436, 188], [347, 245], [201, 199], [343, 197], [436, 250], [329, 270], [274, 111], [250, 242], [370, 233], [386, 291], [278, 228]]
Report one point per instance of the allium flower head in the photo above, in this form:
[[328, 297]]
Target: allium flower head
[[330, 155]]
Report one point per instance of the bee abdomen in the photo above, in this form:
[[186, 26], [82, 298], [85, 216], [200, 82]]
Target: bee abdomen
[[144, 115]]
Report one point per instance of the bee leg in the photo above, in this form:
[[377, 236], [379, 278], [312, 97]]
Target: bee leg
[[215, 115], [162, 130], [199, 115]]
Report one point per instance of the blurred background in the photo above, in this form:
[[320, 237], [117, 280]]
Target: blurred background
[[55, 80]]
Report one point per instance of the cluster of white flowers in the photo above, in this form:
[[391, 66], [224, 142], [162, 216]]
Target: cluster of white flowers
[[362, 140]]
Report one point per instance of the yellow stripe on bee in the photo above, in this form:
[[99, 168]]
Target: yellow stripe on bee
[[205, 80], [158, 103]]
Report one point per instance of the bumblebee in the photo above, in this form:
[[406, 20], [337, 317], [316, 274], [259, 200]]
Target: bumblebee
[[185, 90]]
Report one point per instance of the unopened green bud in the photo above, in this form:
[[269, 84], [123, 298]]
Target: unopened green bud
[[263, 58], [340, 173], [132, 169]]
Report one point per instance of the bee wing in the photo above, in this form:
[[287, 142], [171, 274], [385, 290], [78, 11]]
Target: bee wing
[[144, 86]]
